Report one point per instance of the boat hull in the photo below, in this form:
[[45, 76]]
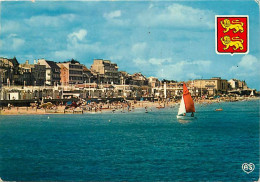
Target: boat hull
[[219, 109], [185, 117]]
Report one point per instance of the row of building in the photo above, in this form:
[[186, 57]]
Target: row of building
[[50, 73], [104, 76]]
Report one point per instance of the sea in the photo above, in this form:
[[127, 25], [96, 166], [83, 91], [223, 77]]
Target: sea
[[133, 146]]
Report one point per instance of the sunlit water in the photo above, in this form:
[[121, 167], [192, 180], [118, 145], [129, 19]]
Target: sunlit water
[[135, 146]]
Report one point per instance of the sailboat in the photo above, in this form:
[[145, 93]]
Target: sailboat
[[252, 93], [186, 109]]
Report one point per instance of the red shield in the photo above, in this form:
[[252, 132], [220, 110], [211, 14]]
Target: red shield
[[232, 34]]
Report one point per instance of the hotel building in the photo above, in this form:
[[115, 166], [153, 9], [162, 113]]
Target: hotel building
[[106, 71], [71, 72]]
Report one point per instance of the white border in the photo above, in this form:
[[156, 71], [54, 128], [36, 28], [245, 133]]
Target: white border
[[226, 53]]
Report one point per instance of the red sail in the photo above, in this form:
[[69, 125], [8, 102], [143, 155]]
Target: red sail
[[189, 104]]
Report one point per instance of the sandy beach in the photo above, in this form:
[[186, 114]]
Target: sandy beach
[[97, 108], [111, 107]]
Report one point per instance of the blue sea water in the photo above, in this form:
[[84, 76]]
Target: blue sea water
[[135, 146]]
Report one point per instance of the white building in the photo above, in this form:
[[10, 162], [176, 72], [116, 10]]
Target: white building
[[52, 72]]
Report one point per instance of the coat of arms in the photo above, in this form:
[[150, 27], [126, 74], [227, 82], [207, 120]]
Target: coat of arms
[[232, 34]]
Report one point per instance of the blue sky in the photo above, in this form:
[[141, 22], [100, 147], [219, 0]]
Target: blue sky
[[166, 39]]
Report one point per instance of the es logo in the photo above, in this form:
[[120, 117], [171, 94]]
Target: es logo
[[248, 168]]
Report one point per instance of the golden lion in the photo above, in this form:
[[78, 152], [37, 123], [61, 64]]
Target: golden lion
[[235, 24], [235, 41]]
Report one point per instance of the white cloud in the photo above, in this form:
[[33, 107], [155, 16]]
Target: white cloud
[[12, 35], [247, 67], [248, 62], [77, 36], [17, 43], [113, 14], [77, 46], [150, 6], [177, 15], [139, 48], [187, 69], [171, 69], [139, 61], [156, 61], [114, 18], [12, 42], [10, 26]]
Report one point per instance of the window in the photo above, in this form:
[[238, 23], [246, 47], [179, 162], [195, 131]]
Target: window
[[75, 66], [75, 72]]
